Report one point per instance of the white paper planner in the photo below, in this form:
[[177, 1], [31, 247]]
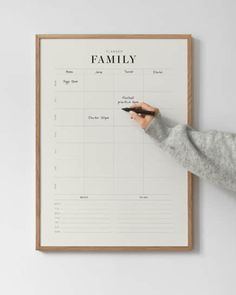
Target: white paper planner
[[104, 182]]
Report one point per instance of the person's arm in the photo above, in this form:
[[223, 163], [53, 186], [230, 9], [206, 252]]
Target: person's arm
[[207, 154]]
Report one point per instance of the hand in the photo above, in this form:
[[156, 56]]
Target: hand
[[142, 120]]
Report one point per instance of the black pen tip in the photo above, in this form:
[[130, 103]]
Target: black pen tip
[[125, 109]]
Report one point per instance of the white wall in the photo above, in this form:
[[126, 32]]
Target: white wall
[[210, 268]]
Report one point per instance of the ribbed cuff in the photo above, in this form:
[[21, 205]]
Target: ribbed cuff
[[157, 128]]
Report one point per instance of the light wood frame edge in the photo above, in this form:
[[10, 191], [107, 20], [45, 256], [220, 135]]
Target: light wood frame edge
[[38, 37], [37, 146], [190, 121]]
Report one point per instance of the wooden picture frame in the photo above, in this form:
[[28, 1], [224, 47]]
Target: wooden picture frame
[[39, 38]]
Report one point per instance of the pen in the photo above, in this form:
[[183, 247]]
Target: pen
[[139, 111]]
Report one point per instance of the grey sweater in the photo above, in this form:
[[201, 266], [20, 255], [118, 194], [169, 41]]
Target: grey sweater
[[207, 154]]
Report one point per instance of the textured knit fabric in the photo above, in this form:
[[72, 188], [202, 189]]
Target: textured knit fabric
[[207, 154]]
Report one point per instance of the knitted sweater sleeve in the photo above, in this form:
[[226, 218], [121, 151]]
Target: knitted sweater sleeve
[[207, 154]]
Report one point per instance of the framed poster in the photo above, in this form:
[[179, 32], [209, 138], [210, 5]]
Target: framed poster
[[101, 182]]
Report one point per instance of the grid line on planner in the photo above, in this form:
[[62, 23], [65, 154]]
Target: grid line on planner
[[83, 137], [86, 126]]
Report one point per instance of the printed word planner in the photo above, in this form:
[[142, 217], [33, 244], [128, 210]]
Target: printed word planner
[[102, 182]]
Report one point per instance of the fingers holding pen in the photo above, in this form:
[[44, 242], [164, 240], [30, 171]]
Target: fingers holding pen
[[142, 120], [144, 106]]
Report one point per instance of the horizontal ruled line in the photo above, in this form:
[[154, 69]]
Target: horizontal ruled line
[[102, 142], [112, 91], [86, 109], [113, 194], [120, 200], [113, 69], [89, 232], [84, 125], [117, 177]]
